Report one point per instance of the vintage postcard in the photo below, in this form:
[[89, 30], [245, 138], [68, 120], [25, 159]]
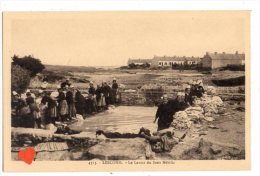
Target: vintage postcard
[[126, 90]]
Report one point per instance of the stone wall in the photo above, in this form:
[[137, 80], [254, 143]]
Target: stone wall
[[152, 97]]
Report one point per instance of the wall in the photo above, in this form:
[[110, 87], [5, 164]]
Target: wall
[[206, 62], [216, 63], [152, 97]]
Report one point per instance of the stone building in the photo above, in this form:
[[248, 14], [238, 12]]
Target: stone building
[[217, 60], [166, 61]]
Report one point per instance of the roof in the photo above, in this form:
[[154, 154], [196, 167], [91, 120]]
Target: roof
[[226, 56]]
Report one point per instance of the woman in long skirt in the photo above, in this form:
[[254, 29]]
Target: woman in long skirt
[[51, 111], [71, 105], [80, 103], [62, 107]]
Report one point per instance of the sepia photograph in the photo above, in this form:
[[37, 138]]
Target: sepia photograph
[[140, 87]]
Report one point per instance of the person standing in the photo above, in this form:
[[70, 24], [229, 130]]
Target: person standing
[[187, 98], [65, 84], [92, 97], [71, 104], [35, 120], [51, 111], [164, 114], [114, 91], [99, 96], [106, 90], [80, 103], [62, 105]]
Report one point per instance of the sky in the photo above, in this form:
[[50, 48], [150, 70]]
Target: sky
[[110, 38]]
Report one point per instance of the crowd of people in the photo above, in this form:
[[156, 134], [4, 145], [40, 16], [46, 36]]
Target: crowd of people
[[35, 110], [167, 108]]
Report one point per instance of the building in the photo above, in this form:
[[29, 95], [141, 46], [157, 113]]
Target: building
[[166, 61], [139, 61], [217, 60]]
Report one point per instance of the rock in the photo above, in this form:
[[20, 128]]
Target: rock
[[111, 107], [181, 121], [211, 90], [203, 133], [79, 117], [213, 127], [224, 130], [215, 149], [51, 146], [149, 154], [53, 156], [28, 142], [234, 152], [241, 109], [119, 149], [210, 104], [221, 110], [130, 90], [51, 127], [209, 119], [161, 132], [217, 101]]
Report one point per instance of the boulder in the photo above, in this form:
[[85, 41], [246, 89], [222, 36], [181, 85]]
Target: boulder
[[209, 119], [51, 146], [51, 127], [181, 121], [211, 90], [215, 149], [120, 149], [79, 117], [217, 101], [195, 113], [210, 104]]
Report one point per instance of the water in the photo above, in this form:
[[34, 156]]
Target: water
[[121, 119]]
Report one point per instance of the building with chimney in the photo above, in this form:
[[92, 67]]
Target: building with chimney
[[217, 60]]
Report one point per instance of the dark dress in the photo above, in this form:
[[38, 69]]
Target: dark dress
[[34, 118], [188, 99], [64, 84], [80, 104], [106, 90], [114, 93], [63, 106], [71, 104], [93, 104], [92, 90], [200, 91], [98, 96], [166, 111], [165, 115]]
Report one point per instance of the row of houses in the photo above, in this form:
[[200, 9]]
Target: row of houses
[[209, 60]]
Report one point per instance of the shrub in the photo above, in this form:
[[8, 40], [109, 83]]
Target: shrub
[[20, 78], [53, 76], [29, 63]]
